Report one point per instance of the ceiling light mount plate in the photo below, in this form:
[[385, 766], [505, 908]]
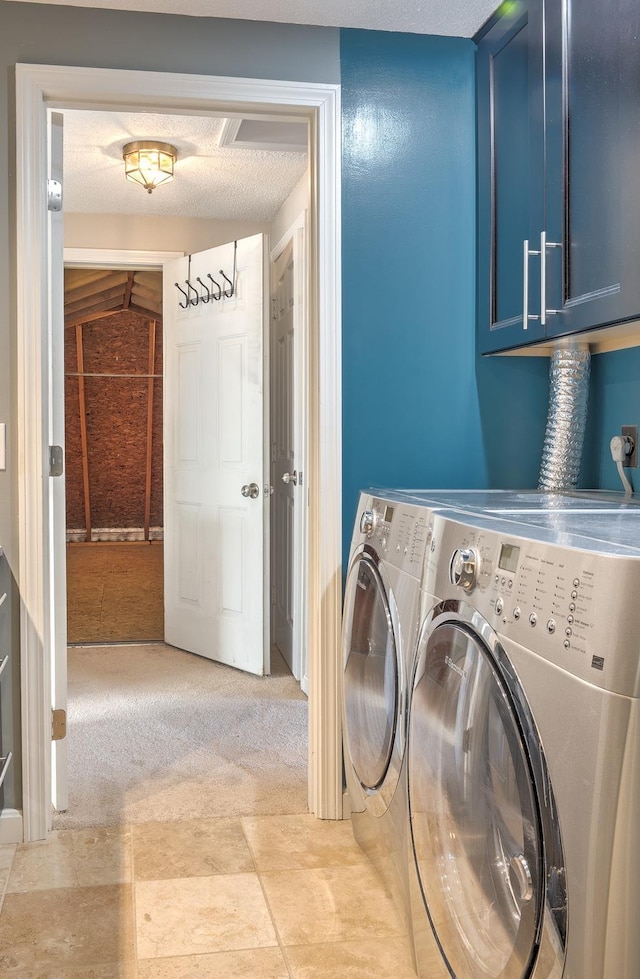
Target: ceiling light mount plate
[[149, 162]]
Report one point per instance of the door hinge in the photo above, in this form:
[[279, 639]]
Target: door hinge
[[58, 724], [54, 195], [56, 460]]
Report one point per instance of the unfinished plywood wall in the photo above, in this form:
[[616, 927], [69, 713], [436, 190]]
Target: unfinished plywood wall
[[113, 405]]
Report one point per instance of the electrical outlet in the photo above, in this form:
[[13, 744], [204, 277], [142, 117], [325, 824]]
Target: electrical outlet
[[631, 462]]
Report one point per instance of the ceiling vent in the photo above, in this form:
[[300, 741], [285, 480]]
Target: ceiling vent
[[264, 134]]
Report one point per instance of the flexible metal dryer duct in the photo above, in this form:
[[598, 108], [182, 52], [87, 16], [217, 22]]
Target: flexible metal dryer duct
[[566, 420]]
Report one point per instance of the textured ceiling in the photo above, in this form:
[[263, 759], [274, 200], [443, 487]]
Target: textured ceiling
[[460, 18], [225, 183]]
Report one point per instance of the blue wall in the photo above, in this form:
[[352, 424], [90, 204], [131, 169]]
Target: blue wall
[[614, 401], [419, 408]]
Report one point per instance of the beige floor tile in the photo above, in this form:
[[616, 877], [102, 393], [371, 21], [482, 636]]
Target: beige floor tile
[[201, 914], [258, 963], [193, 848], [330, 904], [114, 970], [299, 842], [66, 928], [7, 854], [373, 959], [73, 858]]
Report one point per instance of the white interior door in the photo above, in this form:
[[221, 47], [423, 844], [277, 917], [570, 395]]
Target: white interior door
[[57, 598], [215, 504], [284, 475]]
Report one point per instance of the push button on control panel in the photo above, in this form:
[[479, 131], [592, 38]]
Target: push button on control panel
[[533, 619], [551, 627], [499, 606], [517, 612]]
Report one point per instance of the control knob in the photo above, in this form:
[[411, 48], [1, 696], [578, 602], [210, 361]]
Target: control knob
[[367, 522], [465, 568]]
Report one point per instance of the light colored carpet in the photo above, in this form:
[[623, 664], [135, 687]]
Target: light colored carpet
[[155, 733]]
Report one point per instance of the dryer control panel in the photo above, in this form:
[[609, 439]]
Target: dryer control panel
[[397, 531], [567, 602]]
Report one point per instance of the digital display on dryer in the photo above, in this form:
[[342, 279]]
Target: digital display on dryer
[[388, 514], [508, 560]]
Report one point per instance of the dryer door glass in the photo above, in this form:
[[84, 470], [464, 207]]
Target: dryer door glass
[[474, 815], [370, 674]]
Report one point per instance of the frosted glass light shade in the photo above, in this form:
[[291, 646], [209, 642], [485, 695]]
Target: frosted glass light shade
[[149, 163]]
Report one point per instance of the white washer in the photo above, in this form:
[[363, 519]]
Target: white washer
[[524, 749], [379, 634]]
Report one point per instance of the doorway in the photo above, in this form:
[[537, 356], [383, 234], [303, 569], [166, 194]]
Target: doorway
[[113, 454], [37, 86]]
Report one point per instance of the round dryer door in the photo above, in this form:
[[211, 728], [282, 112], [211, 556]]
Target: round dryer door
[[371, 680], [475, 814]]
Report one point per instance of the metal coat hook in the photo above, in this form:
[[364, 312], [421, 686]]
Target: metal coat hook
[[205, 299], [182, 305], [227, 294], [217, 284], [194, 302]]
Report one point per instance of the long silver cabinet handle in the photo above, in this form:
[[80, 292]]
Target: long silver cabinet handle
[[526, 315], [544, 245]]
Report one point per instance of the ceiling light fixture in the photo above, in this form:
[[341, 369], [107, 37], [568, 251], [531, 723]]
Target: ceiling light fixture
[[149, 163]]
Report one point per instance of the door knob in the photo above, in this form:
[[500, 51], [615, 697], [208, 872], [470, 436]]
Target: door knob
[[251, 490], [290, 478]]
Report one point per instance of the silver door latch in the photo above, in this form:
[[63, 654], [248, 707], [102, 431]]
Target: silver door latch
[[54, 195], [56, 460]]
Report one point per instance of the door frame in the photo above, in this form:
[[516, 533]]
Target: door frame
[[38, 88]]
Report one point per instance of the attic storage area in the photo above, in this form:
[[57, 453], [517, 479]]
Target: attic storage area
[[113, 423]]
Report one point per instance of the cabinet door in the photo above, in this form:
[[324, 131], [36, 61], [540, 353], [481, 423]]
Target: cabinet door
[[592, 53], [510, 182]]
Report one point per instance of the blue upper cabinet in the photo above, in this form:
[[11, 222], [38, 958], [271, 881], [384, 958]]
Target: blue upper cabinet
[[510, 186], [558, 193]]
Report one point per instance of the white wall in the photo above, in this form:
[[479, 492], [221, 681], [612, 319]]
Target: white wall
[[140, 233], [295, 204]]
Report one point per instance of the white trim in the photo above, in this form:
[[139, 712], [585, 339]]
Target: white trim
[[10, 826], [116, 258], [299, 224], [41, 86]]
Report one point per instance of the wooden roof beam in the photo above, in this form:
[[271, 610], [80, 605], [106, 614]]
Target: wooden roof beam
[[73, 293], [95, 300]]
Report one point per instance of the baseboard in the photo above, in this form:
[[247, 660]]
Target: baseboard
[[11, 826], [79, 536]]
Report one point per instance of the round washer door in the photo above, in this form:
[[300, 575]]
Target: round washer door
[[476, 823], [372, 682]]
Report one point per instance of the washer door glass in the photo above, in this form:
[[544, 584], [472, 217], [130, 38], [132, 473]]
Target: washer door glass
[[370, 674], [474, 816]]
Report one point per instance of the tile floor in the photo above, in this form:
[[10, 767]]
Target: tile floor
[[269, 897]]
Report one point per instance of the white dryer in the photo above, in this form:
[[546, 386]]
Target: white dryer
[[523, 752], [379, 634]]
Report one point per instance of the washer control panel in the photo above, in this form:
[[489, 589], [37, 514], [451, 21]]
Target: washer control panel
[[573, 605], [399, 532]]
